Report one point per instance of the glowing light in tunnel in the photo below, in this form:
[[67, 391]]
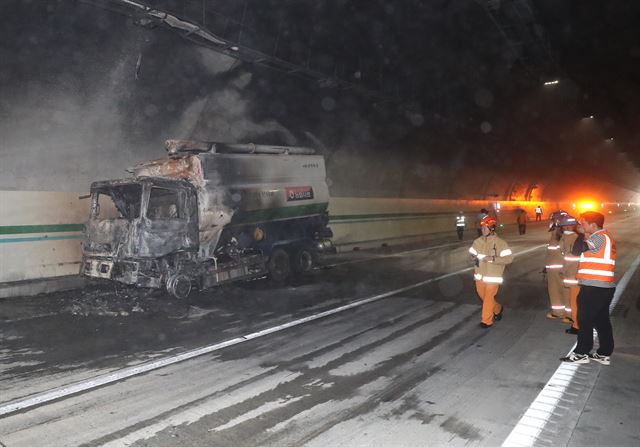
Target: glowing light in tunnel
[[586, 205], [554, 82]]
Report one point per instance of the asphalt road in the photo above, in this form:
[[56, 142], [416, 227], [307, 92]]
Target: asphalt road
[[409, 369]]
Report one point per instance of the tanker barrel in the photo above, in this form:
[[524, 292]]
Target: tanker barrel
[[250, 148]]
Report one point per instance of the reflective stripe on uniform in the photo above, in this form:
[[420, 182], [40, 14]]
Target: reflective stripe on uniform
[[553, 266], [553, 247], [506, 252], [492, 279], [481, 256], [473, 251], [570, 281], [557, 307], [572, 258], [594, 272], [477, 276], [589, 260]]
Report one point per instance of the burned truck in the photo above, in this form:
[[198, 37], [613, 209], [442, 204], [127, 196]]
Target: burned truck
[[208, 214]]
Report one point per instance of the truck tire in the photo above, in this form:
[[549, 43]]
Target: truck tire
[[179, 286], [279, 265], [303, 261]]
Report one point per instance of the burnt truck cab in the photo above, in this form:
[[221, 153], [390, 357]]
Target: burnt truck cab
[[140, 230]]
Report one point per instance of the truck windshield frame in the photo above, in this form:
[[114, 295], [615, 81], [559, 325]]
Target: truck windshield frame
[[126, 199]]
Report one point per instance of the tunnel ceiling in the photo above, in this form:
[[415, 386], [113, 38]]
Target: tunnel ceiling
[[456, 83]]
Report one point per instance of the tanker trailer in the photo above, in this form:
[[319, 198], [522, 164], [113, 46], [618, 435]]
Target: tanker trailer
[[208, 214]]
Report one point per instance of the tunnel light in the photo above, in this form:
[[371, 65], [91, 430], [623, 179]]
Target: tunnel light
[[554, 82], [610, 139], [573, 205], [602, 205]]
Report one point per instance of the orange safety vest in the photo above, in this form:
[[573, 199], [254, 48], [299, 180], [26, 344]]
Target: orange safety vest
[[599, 266]]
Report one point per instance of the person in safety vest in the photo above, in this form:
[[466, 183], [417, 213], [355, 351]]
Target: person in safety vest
[[460, 224], [596, 277], [569, 224], [554, 264], [490, 254], [538, 213]]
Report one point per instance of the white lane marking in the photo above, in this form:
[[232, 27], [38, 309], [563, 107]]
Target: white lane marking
[[58, 393], [540, 412]]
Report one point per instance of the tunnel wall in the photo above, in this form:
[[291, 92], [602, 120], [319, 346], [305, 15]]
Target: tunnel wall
[[40, 237]]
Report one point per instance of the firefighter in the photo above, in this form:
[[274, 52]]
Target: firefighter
[[483, 212], [568, 224], [596, 277], [490, 254], [553, 268], [460, 224]]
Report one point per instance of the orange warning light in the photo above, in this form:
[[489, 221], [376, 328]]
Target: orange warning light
[[586, 205]]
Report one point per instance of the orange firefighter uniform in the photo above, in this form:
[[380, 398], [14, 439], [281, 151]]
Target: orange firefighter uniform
[[555, 285], [492, 254], [569, 272], [554, 264]]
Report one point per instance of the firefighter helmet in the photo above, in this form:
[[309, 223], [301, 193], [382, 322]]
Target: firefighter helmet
[[555, 219], [489, 221], [567, 221]]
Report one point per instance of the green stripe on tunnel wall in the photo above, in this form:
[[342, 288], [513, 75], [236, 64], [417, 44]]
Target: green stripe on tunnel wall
[[51, 228], [390, 215], [39, 238]]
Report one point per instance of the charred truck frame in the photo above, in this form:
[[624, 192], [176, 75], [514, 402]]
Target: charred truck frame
[[207, 214]]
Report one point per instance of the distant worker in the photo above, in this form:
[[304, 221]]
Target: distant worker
[[521, 219], [554, 264], [569, 224], [490, 254], [481, 215], [596, 277], [460, 224], [538, 213]]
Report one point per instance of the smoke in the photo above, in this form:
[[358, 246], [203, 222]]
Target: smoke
[[100, 104]]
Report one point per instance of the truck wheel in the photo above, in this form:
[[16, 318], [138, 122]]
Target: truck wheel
[[303, 261], [179, 286], [279, 265]]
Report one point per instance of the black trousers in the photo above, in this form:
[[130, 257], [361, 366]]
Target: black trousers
[[522, 228], [460, 231], [593, 312]]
